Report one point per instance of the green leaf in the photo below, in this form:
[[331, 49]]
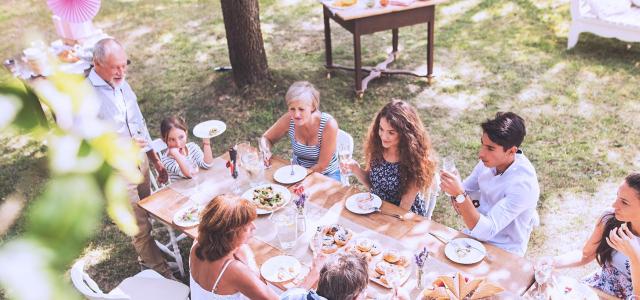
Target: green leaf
[[26, 272], [30, 116], [66, 215], [118, 206]]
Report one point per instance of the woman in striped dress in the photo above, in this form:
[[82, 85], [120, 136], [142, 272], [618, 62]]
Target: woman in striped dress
[[183, 160], [312, 133]]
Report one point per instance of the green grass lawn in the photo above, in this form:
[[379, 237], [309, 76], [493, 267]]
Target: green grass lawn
[[581, 106]]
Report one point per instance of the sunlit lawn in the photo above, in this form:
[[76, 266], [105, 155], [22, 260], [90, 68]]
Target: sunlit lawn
[[581, 106]]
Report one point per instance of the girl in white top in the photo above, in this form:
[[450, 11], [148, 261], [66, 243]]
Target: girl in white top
[[614, 244], [183, 160], [221, 263]]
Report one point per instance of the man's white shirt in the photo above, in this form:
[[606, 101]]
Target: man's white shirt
[[507, 204]]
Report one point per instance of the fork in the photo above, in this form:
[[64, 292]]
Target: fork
[[469, 247], [377, 210], [292, 172]]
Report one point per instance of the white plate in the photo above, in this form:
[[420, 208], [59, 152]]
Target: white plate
[[286, 195], [457, 252], [569, 288], [203, 129], [280, 268], [177, 217], [352, 203], [283, 175]]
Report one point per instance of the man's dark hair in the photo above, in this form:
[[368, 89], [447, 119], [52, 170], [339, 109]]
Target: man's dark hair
[[506, 129]]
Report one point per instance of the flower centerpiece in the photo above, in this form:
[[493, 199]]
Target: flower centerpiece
[[421, 258], [301, 220]]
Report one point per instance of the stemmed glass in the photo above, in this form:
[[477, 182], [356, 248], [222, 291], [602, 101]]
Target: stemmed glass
[[449, 165], [542, 273], [394, 278], [316, 242], [344, 154]]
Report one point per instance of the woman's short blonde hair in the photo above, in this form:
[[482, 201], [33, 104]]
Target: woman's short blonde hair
[[303, 90]]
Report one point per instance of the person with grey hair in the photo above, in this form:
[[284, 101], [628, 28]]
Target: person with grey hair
[[119, 107], [312, 133], [344, 276]]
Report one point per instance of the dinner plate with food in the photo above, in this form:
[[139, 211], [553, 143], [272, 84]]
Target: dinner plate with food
[[188, 216], [390, 268], [458, 286], [342, 4], [465, 251], [331, 238], [280, 268], [268, 197], [209, 129], [363, 203]]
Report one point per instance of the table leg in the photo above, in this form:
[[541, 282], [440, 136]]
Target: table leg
[[394, 40], [327, 41], [358, 61], [430, 25]]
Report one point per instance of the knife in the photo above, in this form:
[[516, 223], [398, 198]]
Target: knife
[[441, 238]]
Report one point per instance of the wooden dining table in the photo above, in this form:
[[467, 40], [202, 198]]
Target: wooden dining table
[[325, 205]]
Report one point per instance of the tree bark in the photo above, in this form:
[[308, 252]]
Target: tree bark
[[244, 40]]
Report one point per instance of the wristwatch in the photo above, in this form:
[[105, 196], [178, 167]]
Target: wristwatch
[[460, 198]]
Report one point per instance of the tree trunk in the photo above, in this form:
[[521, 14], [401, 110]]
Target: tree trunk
[[244, 39]]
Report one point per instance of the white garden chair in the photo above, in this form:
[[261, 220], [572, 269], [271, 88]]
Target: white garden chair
[[344, 142], [171, 247], [145, 285]]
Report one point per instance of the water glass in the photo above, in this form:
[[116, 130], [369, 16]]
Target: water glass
[[252, 163], [394, 277], [285, 221]]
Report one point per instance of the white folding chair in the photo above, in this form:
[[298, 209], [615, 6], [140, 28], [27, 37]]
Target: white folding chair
[[431, 197], [145, 285], [344, 142], [171, 247]]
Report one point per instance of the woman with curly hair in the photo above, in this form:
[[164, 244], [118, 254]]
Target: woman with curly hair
[[400, 163], [221, 264]]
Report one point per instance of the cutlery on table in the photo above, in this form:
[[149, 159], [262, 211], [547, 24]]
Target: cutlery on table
[[397, 216]]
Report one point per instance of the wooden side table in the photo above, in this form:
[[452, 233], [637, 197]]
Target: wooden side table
[[361, 21]]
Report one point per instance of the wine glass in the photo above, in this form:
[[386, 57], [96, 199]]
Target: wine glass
[[449, 165], [344, 154], [394, 277], [316, 242], [264, 152], [542, 273]]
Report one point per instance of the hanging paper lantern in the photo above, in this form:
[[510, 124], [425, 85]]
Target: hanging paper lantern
[[75, 11]]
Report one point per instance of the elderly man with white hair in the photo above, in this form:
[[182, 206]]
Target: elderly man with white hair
[[119, 106]]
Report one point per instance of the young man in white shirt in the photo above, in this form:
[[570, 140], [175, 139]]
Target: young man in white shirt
[[504, 185]]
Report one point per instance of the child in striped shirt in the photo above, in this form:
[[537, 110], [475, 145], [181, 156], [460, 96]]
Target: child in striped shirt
[[183, 160]]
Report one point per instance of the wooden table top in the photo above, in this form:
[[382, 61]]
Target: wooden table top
[[359, 11], [513, 273]]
